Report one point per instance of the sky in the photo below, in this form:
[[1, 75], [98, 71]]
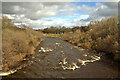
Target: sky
[[39, 15]]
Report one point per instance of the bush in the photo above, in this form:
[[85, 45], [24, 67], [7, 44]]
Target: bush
[[17, 43], [101, 36], [7, 23]]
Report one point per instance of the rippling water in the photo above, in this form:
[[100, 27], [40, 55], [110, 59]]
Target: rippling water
[[64, 63], [57, 58], [74, 65]]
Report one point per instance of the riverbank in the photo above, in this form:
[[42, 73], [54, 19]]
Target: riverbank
[[56, 58], [17, 44]]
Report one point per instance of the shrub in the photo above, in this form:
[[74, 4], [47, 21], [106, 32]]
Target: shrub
[[17, 43], [101, 36]]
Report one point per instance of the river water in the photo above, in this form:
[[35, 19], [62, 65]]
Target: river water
[[56, 58]]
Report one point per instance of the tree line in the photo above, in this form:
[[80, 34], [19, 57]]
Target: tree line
[[63, 29]]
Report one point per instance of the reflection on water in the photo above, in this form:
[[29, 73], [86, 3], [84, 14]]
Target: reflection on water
[[71, 67], [57, 43], [74, 65], [94, 58], [65, 62], [43, 50], [7, 73], [13, 71]]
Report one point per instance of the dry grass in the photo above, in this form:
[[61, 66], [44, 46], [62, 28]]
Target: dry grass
[[53, 35], [17, 43], [102, 36]]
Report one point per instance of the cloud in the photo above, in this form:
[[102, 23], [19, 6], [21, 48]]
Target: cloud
[[107, 9], [61, 0], [39, 15], [102, 11], [35, 10], [31, 13]]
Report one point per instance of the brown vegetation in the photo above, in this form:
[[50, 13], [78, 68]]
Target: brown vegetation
[[17, 43], [62, 30], [101, 36]]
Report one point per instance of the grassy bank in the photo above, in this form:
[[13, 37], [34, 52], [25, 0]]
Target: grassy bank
[[17, 43], [101, 36], [53, 35]]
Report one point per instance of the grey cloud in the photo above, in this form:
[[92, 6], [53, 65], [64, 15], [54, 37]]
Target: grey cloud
[[111, 4], [30, 9], [25, 7], [110, 10], [33, 12], [106, 10], [36, 10]]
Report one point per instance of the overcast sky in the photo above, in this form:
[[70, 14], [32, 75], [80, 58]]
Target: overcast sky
[[45, 14]]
